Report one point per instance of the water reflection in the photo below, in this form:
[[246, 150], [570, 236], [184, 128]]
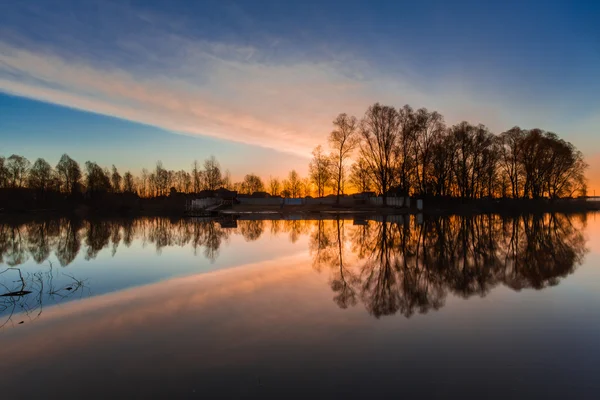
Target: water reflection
[[390, 266], [407, 268], [26, 293]]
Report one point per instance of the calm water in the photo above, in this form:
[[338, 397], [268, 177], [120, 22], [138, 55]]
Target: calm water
[[483, 307]]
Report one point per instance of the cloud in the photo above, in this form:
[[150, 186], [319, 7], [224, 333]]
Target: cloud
[[155, 71], [216, 89]]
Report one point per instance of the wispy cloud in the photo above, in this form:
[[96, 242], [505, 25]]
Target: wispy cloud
[[153, 70], [215, 90]]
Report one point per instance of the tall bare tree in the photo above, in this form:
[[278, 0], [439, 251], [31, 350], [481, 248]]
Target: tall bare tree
[[428, 126], [380, 146], [342, 140], [320, 170]]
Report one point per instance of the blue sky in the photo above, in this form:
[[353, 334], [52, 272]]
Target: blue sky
[[257, 83]]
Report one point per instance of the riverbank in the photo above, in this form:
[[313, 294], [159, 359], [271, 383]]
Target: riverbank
[[121, 205]]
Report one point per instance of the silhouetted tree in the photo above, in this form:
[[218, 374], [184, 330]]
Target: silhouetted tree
[[17, 167], [293, 184], [510, 148], [380, 146], [128, 183], [360, 177], [226, 180], [428, 127], [69, 173], [212, 174], [320, 170], [342, 140], [40, 175], [161, 180], [252, 183], [115, 180], [196, 177], [274, 186], [97, 178]]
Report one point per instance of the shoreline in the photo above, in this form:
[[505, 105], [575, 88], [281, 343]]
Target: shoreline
[[508, 208]]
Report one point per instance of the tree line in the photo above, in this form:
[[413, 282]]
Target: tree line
[[413, 152], [69, 177], [395, 151]]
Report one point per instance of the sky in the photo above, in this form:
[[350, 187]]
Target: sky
[[258, 83]]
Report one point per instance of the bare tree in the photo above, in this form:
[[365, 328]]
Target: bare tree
[[360, 177], [428, 127], [40, 175], [293, 184], [196, 176], [143, 187], [97, 178], [274, 186], [17, 167], [70, 174], [320, 170], [212, 174], [380, 146], [342, 140], [128, 183], [161, 179], [252, 183], [115, 180]]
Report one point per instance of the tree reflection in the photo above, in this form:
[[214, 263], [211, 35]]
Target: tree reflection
[[404, 268], [391, 266]]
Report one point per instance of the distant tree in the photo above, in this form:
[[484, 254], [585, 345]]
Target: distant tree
[[237, 186], [40, 175], [293, 184], [510, 148], [143, 186], [196, 177], [98, 179], [115, 180], [320, 170], [252, 183], [441, 165], [428, 126], [406, 138], [69, 173], [274, 186], [128, 183], [161, 179], [342, 140], [360, 176], [226, 180], [212, 174], [306, 188], [17, 167], [380, 146]]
